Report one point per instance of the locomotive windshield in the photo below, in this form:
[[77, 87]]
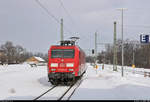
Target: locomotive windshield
[[62, 53]]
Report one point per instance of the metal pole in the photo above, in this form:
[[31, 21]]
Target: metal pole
[[96, 50], [95, 44], [115, 50], [61, 31], [122, 41], [122, 47], [133, 57]]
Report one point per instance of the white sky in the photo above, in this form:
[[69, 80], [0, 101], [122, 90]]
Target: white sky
[[24, 22]]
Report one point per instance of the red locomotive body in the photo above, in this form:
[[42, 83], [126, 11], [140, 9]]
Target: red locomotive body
[[65, 63]]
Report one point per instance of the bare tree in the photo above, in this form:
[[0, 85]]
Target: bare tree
[[141, 54], [13, 54], [19, 54], [2, 57], [9, 51]]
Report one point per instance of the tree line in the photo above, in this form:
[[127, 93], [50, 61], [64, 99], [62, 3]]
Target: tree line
[[15, 54], [134, 53]]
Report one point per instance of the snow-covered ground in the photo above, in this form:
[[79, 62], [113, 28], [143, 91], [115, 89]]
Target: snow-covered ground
[[25, 82], [109, 85], [22, 82]]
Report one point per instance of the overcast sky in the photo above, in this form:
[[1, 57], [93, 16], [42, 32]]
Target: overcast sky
[[25, 23]]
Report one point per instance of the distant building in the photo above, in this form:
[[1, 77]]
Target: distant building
[[36, 61]]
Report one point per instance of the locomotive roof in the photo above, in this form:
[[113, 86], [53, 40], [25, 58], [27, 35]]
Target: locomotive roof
[[64, 46], [53, 46], [67, 44], [59, 46]]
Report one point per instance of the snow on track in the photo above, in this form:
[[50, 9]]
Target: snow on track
[[55, 93]]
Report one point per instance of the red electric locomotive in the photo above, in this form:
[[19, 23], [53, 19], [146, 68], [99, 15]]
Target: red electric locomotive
[[66, 63]]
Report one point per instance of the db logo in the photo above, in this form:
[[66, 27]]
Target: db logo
[[62, 64]]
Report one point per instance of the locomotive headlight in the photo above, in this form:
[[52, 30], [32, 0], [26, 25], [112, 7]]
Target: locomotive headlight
[[54, 64], [70, 64], [70, 69], [53, 69]]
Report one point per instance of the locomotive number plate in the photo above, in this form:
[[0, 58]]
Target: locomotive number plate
[[62, 64], [62, 69]]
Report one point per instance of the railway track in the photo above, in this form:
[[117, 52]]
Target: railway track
[[73, 89], [44, 93], [63, 92]]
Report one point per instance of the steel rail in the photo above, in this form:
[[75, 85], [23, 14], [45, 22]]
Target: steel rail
[[78, 82], [44, 93], [74, 90], [66, 92]]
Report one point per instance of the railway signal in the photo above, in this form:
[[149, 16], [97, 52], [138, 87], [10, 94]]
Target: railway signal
[[92, 51]]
